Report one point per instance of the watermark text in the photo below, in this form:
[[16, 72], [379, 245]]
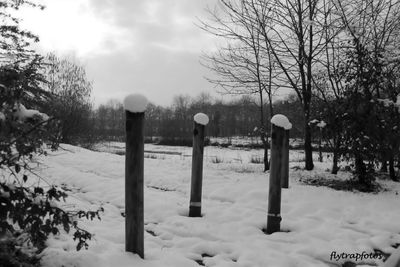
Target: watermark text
[[355, 256]]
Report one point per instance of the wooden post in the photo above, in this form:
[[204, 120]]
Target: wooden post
[[134, 161], [320, 125], [285, 161], [278, 141], [320, 145], [197, 165]]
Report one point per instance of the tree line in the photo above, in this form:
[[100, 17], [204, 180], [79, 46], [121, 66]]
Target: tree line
[[174, 124]]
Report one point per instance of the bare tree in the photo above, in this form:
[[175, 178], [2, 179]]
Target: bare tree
[[245, 64], [182, 116], [68, 82], [294, 30], [362, 62], [272, 44]]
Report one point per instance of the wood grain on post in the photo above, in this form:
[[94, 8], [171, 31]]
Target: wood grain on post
[[197, 170], [134, 161], [320, 145], [274, 198], [285, 161]]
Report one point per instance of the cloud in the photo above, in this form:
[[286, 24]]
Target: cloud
[[146, 46], [156, 74], [168, 24], [72, 26], [165, 49]]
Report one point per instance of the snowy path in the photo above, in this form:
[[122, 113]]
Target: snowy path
[[319, 221]]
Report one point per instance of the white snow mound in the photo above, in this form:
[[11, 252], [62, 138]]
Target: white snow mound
[[201, 118], [321, 124], [22, 113], [135, 103], [281, 121]]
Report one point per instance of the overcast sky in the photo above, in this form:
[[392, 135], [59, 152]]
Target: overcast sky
[[146, 46]]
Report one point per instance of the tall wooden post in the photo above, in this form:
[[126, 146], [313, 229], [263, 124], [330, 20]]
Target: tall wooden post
[[200, 121], [274, 197], [279, 144], [320, 145], [134, 161], [320, 125], [285, 161]]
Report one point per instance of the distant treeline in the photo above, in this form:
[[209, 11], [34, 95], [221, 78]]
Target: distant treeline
[[174, 124]]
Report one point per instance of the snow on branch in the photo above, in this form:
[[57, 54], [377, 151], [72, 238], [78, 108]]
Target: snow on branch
[[22, 113], [387, 102]]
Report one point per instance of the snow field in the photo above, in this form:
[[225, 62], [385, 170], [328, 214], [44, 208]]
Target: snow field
[[231, 157], [316, 220]]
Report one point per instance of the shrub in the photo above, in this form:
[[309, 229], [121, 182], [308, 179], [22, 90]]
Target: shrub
[[169, 141], [256, 159], [153, 156], [217, 160], [28, 208], [35, 212], [176, 142]]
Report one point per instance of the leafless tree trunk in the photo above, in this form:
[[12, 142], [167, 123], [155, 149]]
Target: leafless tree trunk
[[244, 66], [293, 30]]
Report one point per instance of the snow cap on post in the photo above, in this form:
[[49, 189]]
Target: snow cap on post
[[135, 103], [281, 121], [201, 118]]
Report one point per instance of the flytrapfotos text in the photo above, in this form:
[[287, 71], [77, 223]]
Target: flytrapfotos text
[[355, 256]]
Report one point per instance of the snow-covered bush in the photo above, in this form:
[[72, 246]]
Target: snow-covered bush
[[29, 205]]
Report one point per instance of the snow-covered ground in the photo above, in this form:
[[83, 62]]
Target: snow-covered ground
[[211, 153], [317, 222]]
